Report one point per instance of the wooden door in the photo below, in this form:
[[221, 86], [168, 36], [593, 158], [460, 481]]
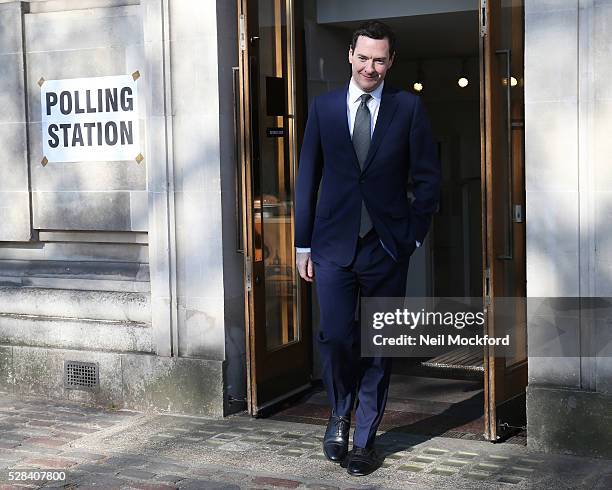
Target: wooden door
[[267, 118], [502, 177]]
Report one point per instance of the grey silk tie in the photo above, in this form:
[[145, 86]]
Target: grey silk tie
[[361, 142]]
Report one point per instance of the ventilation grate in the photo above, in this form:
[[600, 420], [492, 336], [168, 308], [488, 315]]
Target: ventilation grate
[[81, 376]]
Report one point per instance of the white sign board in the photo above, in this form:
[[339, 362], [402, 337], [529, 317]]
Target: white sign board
[[90, 119]]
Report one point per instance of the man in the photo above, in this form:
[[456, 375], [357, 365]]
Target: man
[[360, 144]]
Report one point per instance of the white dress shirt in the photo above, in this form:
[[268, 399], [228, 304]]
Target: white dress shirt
[[353, 100]]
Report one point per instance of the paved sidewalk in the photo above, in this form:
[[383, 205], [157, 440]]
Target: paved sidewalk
[[121, 449]]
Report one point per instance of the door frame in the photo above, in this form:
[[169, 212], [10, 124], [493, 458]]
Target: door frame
[[498, 378]]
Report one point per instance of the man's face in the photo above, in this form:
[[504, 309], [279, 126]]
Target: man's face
[[370, 62]]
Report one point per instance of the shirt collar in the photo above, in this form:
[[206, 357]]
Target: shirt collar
[[355, 91]]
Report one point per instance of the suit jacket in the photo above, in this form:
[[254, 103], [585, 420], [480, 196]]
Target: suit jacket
[[402, 142]]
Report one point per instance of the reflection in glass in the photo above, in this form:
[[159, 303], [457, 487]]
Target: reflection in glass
[[274, 177]]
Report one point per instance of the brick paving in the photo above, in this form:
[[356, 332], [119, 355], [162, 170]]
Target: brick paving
[[121, 449]]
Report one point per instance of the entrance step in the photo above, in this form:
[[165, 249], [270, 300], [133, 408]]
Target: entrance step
[[463, 362]]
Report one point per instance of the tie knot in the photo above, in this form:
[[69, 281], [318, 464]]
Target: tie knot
[[365, 98]]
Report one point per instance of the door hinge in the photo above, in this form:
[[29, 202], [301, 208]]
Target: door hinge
[[483, 18], [242, 34], [248, 273]]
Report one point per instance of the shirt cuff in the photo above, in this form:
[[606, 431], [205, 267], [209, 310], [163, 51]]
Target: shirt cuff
[[418, 244], [302, 250]]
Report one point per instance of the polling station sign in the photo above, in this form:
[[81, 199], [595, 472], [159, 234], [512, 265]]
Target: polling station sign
[[90, 119]]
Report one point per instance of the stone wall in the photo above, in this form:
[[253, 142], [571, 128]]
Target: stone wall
[[123, 262], [568, 178]]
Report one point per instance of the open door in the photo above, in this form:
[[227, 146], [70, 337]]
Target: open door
[[278, 329], [502, 177]]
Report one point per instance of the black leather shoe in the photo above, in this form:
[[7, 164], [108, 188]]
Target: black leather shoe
[[335, 442], [362, 461]]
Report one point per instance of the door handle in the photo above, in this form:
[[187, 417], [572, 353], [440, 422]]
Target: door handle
[[509, 255], [238, 158]]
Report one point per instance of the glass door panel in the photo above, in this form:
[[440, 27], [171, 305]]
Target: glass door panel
[[278, 346]]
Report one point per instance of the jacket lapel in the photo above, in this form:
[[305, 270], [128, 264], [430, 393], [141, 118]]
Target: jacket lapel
[[388, 105]]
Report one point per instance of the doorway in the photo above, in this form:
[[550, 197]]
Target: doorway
[[466, 63]]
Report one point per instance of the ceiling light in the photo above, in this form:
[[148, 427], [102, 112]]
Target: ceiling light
[[418, 86], [463, 82]]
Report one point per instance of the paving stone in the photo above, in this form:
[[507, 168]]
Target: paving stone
[[267, 433], [394, 456], [169, 478], [433, 450], [101, 469], [46, 441], [318, 456], [165, 467], [477, 475], [455, 462], [464, 455], [76, 428], [498, 457], [424, 459], [41, 423], [80, 454], [488, 466], [207, 484], [292, 436], [443, 471], [306, 445], [35, 449], [275, 482], [100, 481], [208, 472], [254, 439], [43, 462], [134, 473], [135, 485], [413, 467], [521, 469], [228, 437], [125, 461], [509, 479], [320, 486], [278, 443], [530, 461], [291, 452], [8, 455], [213, 442]]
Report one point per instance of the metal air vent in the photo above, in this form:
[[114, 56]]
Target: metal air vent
[[81, 376]]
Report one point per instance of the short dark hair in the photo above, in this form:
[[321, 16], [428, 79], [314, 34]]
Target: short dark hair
[[375, 29]]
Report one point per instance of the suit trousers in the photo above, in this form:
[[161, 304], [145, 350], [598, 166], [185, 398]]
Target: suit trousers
[[349, 379]]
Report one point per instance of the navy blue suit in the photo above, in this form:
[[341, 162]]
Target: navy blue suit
[[346, 265]]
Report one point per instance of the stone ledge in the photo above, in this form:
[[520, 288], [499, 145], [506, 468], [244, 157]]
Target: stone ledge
[[142, 382], [561, 420], [71, 333], [63, 303]]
